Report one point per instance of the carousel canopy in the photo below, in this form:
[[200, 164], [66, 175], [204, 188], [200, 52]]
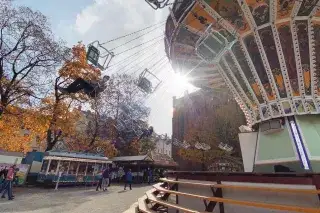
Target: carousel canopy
[[266, 52]]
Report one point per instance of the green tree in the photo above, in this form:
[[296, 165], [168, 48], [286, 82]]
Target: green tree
[[146, 145]]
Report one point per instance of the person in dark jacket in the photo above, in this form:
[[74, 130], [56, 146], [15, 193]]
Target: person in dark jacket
[[128, 179], [149, 176], [92, 89], [99, 185], [105, 179]]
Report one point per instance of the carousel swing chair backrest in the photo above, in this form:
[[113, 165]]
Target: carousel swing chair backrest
[[98, 55], [212, 45], [144, 83], [93, 55], [157, 4]]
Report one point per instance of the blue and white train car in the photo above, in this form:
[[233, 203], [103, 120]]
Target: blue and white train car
[[74, 168]]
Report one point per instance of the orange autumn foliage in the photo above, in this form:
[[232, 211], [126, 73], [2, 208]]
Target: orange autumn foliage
[[66, 117], [78, 67], [20, 127], [79, 143]]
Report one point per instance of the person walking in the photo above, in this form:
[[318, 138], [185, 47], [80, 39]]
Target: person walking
[[3, 175], [8, 183], [99, 185], [149, 176], [105, 179], [128, 179]]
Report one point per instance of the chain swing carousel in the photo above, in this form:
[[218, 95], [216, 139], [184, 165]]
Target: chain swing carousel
[[267, 54]]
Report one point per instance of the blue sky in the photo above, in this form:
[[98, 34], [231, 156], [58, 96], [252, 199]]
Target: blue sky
[[89, 20]]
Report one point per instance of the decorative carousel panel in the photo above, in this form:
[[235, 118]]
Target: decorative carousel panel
[[306, 7], [303, 41], [241, 59], [236, 72], [180, 7], [285, 36], [275, 110], [316, 52], [284, 8], [234, 83], [199, 19], [259, 10], [255, 56], [310, 105], [299, 107], [184, 36], [183, 51], [269, 45], [265, 111], [286, 107], [231, 11]]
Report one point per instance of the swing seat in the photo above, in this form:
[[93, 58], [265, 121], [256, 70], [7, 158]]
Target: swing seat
[[93, 55], [145, 85], [156, 4]]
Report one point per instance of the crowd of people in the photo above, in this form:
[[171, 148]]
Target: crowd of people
[[7, 178], [117, 174], [107, 176]]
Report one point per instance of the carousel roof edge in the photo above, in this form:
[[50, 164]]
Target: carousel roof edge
[[76, 155], [132, 158]]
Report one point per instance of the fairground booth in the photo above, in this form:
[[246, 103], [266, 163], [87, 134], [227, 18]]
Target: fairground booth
[[140, 164]]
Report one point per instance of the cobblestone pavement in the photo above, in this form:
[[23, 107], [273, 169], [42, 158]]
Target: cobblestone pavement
[[73, 200]]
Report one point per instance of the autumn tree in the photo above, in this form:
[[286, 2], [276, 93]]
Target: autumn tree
[[125, 104], [228, 119], [20, 127], [61, 105], [218, 122], [29, 54], [146, 145]]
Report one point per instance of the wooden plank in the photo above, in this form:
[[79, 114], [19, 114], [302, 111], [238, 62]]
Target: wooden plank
[[278, 178], [143, 207], [154, 199], [254, 188], [246, 203]]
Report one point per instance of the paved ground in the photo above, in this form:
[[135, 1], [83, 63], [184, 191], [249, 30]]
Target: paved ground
[[73, 200]]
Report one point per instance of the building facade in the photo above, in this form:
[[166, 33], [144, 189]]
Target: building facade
[[163, 145], [187, 111]]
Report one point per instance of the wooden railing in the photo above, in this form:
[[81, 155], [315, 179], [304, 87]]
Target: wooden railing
[[158, 199]]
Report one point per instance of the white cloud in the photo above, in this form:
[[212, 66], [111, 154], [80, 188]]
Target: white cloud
[[107, 19], [84, 21]]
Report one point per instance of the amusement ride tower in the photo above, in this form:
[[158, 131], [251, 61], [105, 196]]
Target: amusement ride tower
[[268, 54]]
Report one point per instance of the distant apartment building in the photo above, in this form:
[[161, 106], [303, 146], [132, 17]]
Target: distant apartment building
[[163, 145], [187, 110]]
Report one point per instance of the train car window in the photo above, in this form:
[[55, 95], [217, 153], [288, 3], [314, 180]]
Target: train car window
[[90, 169], [53, 167], [64, 165], [97, 168], [44, 166], [82, 168], [73, 168]]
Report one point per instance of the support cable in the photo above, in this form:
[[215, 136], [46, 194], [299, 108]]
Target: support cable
[[132, 33], [139, 45]]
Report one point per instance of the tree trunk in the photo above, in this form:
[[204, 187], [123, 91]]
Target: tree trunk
[[51, 141]]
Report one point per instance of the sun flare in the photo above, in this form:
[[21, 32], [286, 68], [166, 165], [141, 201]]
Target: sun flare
[[179, 84]]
